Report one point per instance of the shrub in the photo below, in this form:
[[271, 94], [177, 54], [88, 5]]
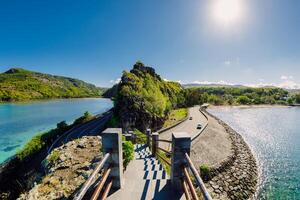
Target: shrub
[[205, 172], [141, 138], [53, 156], [128, 152], [62, 126], [32, 147], [86, 117]]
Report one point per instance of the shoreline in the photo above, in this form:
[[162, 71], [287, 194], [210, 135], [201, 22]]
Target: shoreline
[[236, 177]]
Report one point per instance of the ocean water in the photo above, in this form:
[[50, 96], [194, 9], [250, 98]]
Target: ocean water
[[273, 133], [20, 121]]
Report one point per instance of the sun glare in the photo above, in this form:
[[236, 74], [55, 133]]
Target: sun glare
[[227, 12]]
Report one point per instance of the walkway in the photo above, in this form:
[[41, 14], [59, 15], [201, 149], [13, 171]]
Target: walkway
[[145, 178]]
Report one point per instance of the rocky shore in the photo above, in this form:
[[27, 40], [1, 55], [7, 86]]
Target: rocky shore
[[67, 168], [235, 177]]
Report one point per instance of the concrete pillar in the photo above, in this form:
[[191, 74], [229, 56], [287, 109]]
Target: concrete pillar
[[154, 143], [133, 137], [181, 144], [148, 133], [112, 143]]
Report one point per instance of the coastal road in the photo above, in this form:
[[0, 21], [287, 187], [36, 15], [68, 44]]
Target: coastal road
[[92, 127], [188, 126]]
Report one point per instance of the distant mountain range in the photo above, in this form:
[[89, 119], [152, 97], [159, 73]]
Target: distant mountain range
[[19, 84], [189, 85]]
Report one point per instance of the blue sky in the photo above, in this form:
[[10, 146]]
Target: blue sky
[[96, 40]]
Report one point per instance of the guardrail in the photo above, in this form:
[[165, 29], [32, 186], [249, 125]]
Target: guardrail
[[112, 164], [198, 179]]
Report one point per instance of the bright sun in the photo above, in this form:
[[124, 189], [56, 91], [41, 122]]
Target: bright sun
[[227, 12]]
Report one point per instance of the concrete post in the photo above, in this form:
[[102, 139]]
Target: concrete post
[[148, 133], [181, 144], [154, 143], [112, 143], [133, 137]]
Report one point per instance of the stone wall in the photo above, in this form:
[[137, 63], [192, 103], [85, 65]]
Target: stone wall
[[235, 177]]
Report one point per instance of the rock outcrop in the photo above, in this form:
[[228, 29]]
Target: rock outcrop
[[67, 168]]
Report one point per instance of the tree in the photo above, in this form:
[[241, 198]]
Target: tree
[[290, 101], [62, 125], [243, 100], [297, 98]]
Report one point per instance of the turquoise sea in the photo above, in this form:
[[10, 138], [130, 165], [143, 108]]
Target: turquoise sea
[[20, 121], [273, 133]]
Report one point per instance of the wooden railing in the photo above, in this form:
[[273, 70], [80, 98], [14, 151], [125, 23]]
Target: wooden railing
[[91, 180], [198, 180]]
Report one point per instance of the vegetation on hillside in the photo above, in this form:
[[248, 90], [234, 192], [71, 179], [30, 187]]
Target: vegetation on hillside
[[144, 99], [235, 96], [19, 84]]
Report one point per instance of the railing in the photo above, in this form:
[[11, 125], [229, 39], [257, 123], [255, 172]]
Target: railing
[[155, 148], [198, 180], [111, 165], [91, 180]]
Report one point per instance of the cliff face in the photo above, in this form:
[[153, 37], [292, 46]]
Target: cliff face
[[67, 168], [144, 99]]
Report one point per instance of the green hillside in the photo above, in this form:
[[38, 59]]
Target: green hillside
[[19, 84]]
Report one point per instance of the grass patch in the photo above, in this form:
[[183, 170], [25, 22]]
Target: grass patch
[[175, 116], [141, 138], [205, 172]]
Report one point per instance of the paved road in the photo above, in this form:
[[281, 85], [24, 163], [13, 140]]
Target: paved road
[[92, 127], [189, 126]]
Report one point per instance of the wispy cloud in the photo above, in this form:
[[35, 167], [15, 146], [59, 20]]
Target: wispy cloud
[[115, 81], [287, 83], [284, 77], [221, 82], [235, 61]]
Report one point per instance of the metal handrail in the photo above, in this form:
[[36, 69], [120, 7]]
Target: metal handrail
[[185, 189], [92, 178], [167, 152], [199, 181], [107, 189], [101, 184], [190, 184]]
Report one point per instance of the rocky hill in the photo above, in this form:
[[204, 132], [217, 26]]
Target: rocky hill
[[67, 169], [18, 84], [143, 99]]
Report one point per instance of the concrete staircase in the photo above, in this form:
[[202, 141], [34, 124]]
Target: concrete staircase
[[145, 178]]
